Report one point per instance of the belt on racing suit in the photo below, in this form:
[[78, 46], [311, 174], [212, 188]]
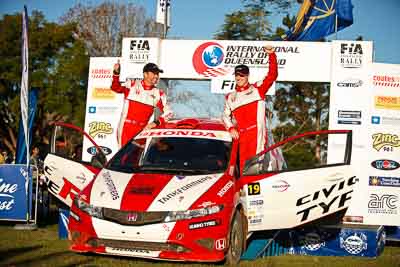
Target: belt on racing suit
[[248, 128]]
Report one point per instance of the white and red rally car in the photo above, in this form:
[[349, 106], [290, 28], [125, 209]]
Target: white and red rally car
[[176, 193]]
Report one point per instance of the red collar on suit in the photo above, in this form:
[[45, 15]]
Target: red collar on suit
[[146, 87], [243, 88]]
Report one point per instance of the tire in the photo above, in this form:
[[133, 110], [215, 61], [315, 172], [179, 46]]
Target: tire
[[236, 240]]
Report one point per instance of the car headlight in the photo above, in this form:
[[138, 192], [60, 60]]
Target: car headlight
[[189, 214], [88, 208]]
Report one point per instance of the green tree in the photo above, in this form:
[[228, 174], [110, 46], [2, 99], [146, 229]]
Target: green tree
[[57, 66], [102, 27]]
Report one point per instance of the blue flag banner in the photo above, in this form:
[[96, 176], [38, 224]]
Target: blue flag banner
[[13, 197], [21, 155], [319, 18]]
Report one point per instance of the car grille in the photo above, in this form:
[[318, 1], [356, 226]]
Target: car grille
[[138, 245], [133, 217]]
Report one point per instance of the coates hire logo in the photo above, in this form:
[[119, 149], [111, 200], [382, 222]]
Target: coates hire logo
[[386, 80], [207, 59], [101, 74], [385, 164]]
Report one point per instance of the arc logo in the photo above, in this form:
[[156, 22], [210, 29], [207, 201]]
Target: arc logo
[[207, 59], [92, 150]]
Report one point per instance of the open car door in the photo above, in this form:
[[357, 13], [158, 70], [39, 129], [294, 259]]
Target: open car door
[[65, 171], [284, 193]]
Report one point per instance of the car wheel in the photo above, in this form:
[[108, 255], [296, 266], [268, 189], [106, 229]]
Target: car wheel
[[236, 239]]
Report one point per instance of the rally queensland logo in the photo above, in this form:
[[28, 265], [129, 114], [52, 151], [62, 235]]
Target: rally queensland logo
[[207, 59]]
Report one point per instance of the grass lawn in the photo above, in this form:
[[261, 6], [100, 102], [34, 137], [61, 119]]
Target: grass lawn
[[43, 248]]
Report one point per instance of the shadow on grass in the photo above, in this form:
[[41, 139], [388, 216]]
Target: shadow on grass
[[48, 258], [9, 253]]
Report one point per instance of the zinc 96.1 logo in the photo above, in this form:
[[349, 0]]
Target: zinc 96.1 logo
[[207, 59]]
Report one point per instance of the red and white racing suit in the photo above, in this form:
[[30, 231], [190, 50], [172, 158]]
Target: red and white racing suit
[[245, 110], [140, 102]]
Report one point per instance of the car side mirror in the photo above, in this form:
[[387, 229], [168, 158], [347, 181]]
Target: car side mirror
[[256, 165], [98, 160]]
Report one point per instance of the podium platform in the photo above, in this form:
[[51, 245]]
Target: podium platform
[[337, 240]]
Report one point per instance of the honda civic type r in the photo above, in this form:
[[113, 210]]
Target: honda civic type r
[[177, 193]]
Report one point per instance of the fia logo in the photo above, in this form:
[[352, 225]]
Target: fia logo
[[140, 45], [351, 49]]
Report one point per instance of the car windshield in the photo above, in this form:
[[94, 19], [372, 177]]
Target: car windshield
[[176, 155]]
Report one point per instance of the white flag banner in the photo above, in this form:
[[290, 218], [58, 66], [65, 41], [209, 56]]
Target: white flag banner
[[24, 79], [163, 12]]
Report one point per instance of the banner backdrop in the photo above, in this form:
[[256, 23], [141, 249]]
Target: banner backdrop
[[383, 146], [209, 59], [363, 98], [103, 108], [13, 197]]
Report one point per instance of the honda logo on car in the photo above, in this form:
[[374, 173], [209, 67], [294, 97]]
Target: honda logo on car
[[178, 133], [325, 198]]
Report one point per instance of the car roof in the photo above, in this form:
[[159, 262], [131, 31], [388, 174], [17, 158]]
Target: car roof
[[195, 123]]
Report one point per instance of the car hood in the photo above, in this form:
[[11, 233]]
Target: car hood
[[149, 192]]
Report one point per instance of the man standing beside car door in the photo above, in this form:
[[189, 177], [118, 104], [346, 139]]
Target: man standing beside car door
[[244, 110], [141, 98]]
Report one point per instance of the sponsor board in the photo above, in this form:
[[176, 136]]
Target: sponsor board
[[139, 51], [387, 102], [386, 80], [350, 82], [349, 114], [349, 122], [383, 204], [385, 164], [93, 150], [385, 120], [103, 110], [351, 55], [101, 73], [384, 181], [100, 129], [102, 93], [387, 141]]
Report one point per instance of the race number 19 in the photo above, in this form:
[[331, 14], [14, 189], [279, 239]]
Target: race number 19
[[253, 189]]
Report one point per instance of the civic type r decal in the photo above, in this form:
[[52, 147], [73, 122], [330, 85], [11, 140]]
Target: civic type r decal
[[322, 200]]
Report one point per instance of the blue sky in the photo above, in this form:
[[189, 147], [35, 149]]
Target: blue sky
[[377, 21]]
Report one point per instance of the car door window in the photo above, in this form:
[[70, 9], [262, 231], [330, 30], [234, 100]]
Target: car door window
[[306, 151]]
